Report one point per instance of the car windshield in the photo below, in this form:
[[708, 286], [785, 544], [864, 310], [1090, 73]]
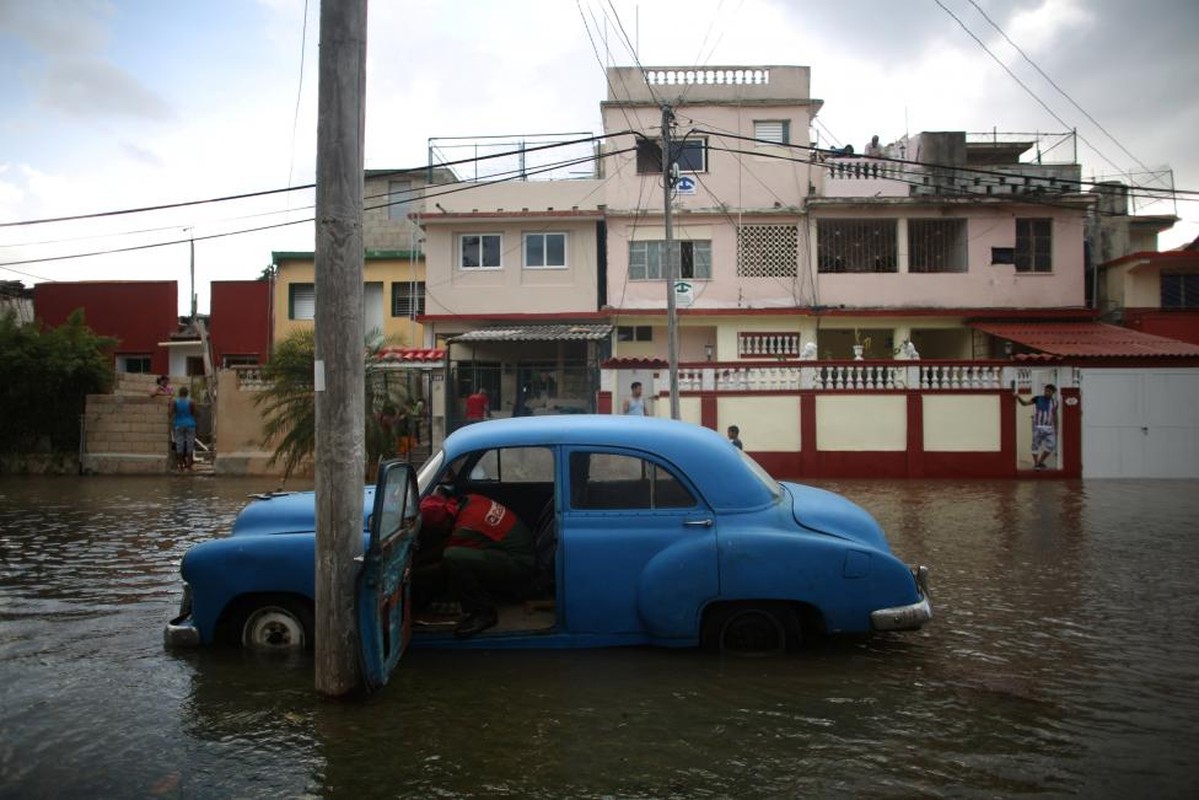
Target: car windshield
[[761, 474], [429, 471]]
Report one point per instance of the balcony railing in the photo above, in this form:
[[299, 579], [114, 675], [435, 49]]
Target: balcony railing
[[846, 376]]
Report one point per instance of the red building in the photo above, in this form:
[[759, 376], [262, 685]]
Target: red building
[[138, 314], [240, 322]]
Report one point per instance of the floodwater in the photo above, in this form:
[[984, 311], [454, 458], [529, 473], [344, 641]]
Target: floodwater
[[1062, 662]]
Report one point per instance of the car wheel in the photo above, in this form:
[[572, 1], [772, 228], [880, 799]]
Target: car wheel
[[275, 625], [762, 629]]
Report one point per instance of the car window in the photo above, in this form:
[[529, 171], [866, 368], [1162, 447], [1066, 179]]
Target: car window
[[760, 472], [509, 465], [614, 480]]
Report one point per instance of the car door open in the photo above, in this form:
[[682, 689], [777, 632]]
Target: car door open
[[384, 608]]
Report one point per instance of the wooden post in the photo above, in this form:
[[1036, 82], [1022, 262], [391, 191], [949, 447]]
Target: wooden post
[[339, 375]]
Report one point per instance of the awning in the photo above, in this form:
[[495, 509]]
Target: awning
[[1088, 340], [412, 355], [536, 333]]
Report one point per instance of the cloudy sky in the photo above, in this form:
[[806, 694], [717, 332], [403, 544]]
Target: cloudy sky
[[114, 104]]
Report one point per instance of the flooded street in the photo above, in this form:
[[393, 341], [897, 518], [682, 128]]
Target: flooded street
[[1063, 660]]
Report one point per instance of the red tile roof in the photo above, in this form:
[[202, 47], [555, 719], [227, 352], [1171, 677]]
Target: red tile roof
[[1088, 340], [412, 354]]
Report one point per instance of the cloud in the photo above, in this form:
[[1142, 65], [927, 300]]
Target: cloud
[[62, 27], [86, 87], [142, 154]]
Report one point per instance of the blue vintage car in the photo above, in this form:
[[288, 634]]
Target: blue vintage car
[[647, 531]]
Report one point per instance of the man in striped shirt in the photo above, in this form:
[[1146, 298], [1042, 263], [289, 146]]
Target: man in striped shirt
[[1044, 425]]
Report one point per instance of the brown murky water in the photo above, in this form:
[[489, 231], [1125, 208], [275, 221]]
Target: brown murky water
[[1063, 661]]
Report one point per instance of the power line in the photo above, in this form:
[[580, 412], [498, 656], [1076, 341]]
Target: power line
[[515, 175], [1023, 85], [267, 192], [163, 207], [1052, 83], [1150, 191]]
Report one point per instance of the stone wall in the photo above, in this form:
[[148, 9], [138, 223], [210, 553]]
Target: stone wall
[[127, 434]]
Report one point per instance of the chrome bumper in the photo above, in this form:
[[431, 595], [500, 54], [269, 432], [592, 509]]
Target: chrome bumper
[[909, 617], [180, 632]]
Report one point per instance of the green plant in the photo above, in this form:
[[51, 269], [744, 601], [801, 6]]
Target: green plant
[[289, 402], [48, 374]]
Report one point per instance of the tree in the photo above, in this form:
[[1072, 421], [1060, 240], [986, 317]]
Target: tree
[[289, 404], [48, 375]]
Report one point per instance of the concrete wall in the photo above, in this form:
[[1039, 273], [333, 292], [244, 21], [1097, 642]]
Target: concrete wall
[[127, 434], [239, 448]]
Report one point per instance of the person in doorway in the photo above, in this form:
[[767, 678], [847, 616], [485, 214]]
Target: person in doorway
[[735, 437], [634, 404], [478, 406], [183, 423], [1044, 425]]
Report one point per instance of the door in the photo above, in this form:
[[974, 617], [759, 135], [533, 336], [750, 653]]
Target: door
[[384, 611], [638, 549], [1140, 423]]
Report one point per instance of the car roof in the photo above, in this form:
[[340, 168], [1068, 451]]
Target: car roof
[[706, 457]]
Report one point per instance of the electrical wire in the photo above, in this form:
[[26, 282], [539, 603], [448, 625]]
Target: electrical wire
[[1023, 85], [516, 174], [1053, 83]]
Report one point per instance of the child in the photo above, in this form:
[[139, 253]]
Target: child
[[735, 437]]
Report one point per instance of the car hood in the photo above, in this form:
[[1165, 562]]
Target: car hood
[[829, 513], [286, 512]]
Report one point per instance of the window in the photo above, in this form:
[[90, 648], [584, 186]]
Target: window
[[407, 298], [301, 301], [1034, 245], [234, 360], [646, 262], [690, 154], [767, 251], [937, 245], [612, 481], [480, 250], [135, 363], [509, 465], [399, 199], [775, 131], [856, 245], [545, 249], [1180, 289], [634, 333]]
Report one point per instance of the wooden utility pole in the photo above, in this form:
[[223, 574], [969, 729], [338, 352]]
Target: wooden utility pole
[[672, 314], [338, 371]]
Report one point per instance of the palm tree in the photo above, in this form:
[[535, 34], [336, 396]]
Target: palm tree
[[289, 404]]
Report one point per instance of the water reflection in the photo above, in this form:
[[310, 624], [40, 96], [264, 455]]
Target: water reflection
[[1062, 661]]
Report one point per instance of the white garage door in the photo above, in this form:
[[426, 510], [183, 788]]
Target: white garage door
[[1140, 423]]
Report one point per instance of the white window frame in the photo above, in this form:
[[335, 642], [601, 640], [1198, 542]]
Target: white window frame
[[544, 236], [648, 253], [461, 243], [765, 134]]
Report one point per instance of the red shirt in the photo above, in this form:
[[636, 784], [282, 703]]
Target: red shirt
[[477, 406]]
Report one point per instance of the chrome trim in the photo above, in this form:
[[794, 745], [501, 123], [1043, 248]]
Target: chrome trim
[[180, 632], [902, 618], [909, 617]]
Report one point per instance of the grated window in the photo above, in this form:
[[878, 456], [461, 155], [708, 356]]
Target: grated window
[[937, 245], [767, 251], [856, 245]]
